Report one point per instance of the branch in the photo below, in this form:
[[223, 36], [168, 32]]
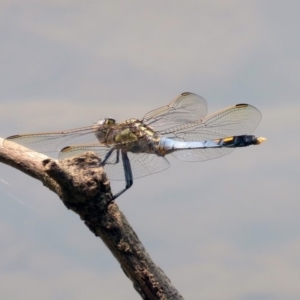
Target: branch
[[84, 188]]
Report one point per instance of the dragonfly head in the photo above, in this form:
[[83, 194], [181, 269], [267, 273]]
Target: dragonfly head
[[102, 127]]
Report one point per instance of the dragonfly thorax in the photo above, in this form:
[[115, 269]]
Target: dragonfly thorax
[[132, 135]]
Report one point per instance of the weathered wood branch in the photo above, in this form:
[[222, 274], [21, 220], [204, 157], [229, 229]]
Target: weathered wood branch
[[83, 187]]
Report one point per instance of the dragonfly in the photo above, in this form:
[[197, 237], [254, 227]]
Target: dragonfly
[[138, 147]]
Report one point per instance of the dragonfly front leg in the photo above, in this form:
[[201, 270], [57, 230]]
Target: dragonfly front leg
[[128, 174]]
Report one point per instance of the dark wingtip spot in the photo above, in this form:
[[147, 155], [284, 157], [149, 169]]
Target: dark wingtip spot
[[65, 149], [186, 94], [241, 105], [12, 137]]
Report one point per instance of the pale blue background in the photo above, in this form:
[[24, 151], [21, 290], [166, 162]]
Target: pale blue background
[[226, 229]]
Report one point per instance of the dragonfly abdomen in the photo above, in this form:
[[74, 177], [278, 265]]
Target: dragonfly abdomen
[[168, 145]]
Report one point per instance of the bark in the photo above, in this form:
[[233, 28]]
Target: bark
[[84, 188]]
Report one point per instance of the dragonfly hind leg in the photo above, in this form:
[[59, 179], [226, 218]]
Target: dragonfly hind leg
[[128, 175], [103, 163]]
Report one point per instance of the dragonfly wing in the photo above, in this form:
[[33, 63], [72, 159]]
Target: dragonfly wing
[[186, 108], [142, 164], [201, 154], [234, 120], [113, 165], [75, 150], [54, 141]]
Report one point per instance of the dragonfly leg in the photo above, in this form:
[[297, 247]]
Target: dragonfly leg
[[127, 170], [107, 156], [128, 175], [118, 157]]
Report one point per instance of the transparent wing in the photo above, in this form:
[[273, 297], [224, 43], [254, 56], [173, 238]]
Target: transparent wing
[[201, 154], [54, 141], [234, 120], [142, 164], [186, 108], [75, 150]]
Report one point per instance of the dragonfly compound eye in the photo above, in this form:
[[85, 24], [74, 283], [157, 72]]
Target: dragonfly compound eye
[[110, 121], [106, 121]]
